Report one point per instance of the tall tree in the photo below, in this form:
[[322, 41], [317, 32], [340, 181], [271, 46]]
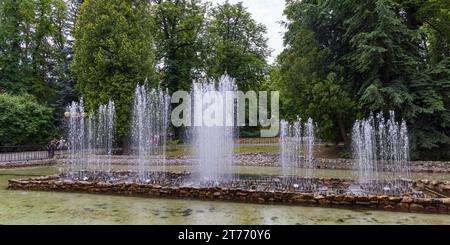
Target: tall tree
[[66, 86], [378, 57], [113, 52], [31, 34], [236, 44], [179, 27]]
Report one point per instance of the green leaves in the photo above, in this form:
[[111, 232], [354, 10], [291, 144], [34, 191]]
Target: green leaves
[[31, 40], [237, 46], [113, 52], [373, 56], [23, 121]]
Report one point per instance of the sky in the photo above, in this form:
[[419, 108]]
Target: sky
[[269, 13]]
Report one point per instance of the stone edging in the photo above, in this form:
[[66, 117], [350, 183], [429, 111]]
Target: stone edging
[[382, 202], [31, 163]]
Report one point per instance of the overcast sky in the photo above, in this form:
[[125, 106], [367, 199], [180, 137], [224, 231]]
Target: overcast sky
[[269, 13]]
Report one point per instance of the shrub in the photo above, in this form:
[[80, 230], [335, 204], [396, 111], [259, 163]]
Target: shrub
[[23, 121]]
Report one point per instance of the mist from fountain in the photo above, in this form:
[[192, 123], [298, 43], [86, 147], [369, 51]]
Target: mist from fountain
[[380, 144], [214, 130], [297, 148], [90, 139], [75, 138], [150, 124]]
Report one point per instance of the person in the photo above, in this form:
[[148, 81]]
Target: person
[[60, 144], [51, 148]]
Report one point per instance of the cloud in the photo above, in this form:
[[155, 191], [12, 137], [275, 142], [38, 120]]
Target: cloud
[[269, 13]]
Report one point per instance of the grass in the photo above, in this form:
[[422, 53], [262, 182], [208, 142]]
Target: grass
[[321, 151]]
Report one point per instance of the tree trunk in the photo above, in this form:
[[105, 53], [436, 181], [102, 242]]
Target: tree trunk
[[343, 131]]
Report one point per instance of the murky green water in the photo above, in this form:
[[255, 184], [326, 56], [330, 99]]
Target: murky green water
[[28, 207]]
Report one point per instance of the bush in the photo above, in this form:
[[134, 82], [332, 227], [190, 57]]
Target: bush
[[23, 121]]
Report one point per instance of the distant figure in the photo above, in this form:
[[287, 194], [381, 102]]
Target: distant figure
[[51, 148], [61, 143]]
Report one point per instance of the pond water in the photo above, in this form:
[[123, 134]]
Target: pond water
[[32, 207]]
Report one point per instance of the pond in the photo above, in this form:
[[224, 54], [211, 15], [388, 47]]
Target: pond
[[32, 207]]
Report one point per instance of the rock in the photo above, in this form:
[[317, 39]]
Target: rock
[[345, 203], [395, 199], [362, 199], [443, 208], [430, 209], [423, 201], [416, 207], [403, 206], [216, 194], [362, 203], [388, 207], [446, 201], [349, 199], [307, 196], [319, 197], [383, 198], [436, 201], [407, 200], [324, 202], [339, 198]]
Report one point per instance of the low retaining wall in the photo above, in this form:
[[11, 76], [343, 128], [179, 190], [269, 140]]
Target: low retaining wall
[[30, 163], [273, 160], [382, 202]]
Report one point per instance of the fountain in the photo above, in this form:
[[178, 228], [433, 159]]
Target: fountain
[[214, 129], [381, 150], [91, 143], [381, 147], [150, 123], [297, 145], [76, 138]]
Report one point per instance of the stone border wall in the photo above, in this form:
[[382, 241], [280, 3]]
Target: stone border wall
[[383, 202], [248, 159], [31, 163]]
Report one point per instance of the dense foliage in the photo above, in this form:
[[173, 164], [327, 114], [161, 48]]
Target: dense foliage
[[179, 26], [342, 59], [24, 121], [345, 59], [31, 40], [112, 53], [236, 45]]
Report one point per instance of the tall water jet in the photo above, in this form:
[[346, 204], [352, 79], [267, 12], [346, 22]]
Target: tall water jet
[[297, 148], [104, 131], [76, 138], [381, 152], [150, 123], [90, 139], [214, 129]]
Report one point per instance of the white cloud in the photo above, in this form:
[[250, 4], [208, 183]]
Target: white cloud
[[269, 13]]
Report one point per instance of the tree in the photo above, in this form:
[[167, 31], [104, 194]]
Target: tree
[[66, 86], [31, 40], [112, 53], [374, 56], [179, 27], [236, 45], [23, 121], [313, 87]]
